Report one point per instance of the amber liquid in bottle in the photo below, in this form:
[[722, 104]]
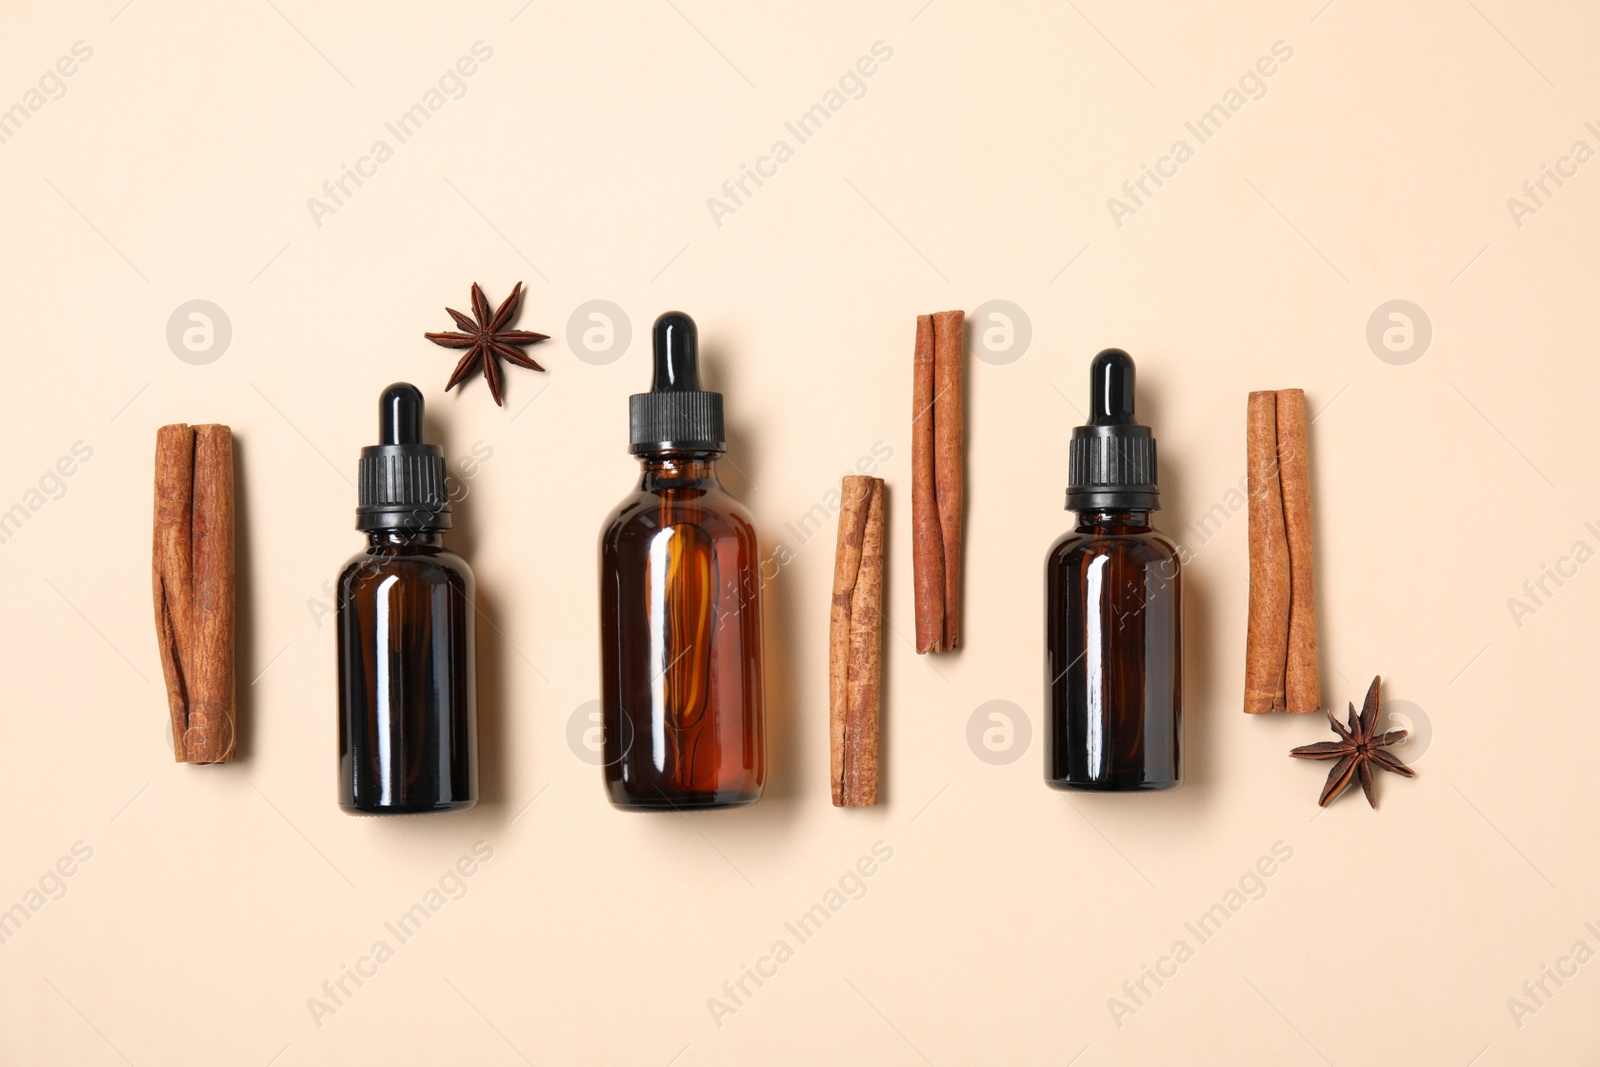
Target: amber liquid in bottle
[[680, 622], [1113, 685], [407, 723], [680, 614]]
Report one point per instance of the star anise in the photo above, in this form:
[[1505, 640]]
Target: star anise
[[1358, 750], [487, 341]]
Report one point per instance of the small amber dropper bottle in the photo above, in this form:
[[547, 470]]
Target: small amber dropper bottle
[[408, 713], [1113, 609], [680, 606]]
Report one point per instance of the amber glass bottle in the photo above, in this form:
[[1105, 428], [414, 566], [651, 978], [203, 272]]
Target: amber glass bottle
[[1113, 609], [680, 607], [408, 720]]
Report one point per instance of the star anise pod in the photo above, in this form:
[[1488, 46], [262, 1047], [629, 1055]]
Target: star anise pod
[[1358, 750], [487, 341]]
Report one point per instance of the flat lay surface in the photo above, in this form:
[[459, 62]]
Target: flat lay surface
[[250, 214]]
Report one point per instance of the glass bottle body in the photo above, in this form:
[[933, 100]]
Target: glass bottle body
[[1113, 662], [683, 708], [408, 719]]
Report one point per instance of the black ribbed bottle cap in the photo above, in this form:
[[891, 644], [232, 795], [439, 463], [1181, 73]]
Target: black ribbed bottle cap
[[1111, 462], [676, 415], [402, 481]]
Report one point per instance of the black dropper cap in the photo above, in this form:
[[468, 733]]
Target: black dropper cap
[[1111, 462], [676, 415], [402, 480]]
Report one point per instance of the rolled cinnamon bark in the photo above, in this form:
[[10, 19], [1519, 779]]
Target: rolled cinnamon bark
[[948, 427], [855, 643], [1302, 681], [927, 546], [937, 487], [1267, 638], [193, 585]]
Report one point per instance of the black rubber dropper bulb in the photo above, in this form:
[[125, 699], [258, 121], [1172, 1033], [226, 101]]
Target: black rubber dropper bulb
[[400, 415], [677, 354], [1111, 382]]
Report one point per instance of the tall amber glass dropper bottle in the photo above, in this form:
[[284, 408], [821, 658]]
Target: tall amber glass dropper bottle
[[680, 606], [1113, 609], [408, 712]]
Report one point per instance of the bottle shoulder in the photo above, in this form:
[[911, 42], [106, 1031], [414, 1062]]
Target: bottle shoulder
[[713, 509], [416, 562], [1149, 545]]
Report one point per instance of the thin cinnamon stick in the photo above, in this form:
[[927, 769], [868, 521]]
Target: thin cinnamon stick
[[855, 642], [174, 494], [937, 487], [1267, 638], [927, 546], [948, 427], [1302, 681], [193, 580]]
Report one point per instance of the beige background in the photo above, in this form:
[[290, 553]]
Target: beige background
[[177, 165]]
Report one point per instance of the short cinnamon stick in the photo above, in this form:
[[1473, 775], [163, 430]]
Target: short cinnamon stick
[[927, 545], [855, 643], [937, 487], [1281, 672], [1267, 637], [193, 578], [1302, 680], [948, 428]]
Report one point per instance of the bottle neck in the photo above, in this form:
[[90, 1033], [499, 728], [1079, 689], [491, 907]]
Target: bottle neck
[[678, 470], [1115, 521], [378, 539]]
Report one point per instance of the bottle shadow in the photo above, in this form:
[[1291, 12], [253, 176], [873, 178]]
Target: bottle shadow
[[244, 607], [1200, 728], [885, 676], [741, 469], [490, 641]]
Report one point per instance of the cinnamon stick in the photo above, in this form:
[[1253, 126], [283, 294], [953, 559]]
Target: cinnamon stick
[[1281, 672], [927, 544], [1302, 681], [1267, 638], [855, 643], [948, 426], [193, 580], [937, 489]]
